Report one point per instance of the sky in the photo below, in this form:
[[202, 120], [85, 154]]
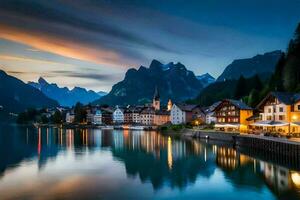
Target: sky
[[92, 43]]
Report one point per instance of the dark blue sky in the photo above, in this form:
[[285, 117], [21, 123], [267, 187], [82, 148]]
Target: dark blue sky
[[92, 43]]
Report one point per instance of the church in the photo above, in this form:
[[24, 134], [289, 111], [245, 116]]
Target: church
[[161, 116]]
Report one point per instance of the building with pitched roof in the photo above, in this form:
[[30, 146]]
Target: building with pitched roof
[[147, 116], [186, 113], [210, 116], [161, 117], [118, 115], [232, 116], [280, 113]]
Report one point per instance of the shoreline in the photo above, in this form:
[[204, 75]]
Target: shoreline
[[259, 144]]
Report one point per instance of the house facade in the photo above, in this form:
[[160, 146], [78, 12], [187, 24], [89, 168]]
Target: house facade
[[161, 117], [183, 113], [70, 117], [97, 117], [280, 113], [231, 115], [118, 116], [132, 115], [177, 115], [147, 116], [210, 116], [94, 116], [107, 116]]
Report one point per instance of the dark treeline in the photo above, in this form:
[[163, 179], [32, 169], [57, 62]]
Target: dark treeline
[[40, 116]]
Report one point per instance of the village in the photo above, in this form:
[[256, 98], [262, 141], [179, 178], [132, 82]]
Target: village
[[278, 114]]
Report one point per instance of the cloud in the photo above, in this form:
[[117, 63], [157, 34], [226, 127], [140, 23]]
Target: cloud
[[25, 59], [94, 76], [65, 73], [33, 50], [58, 28]]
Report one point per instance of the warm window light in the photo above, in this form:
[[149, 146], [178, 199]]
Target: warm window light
[[296, 178], [294, 117]]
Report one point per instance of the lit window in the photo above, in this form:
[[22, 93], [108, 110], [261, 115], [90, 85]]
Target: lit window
[[281, 117]]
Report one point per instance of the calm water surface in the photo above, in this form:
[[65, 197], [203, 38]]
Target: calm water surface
[[93, 164]]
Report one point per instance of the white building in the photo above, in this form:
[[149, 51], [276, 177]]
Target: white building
[[118, 116], [178, 116], [97, 117], [94, 116], [70, 117], [210, 118], [210, 114]]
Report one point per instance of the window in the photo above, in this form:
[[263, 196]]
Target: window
[[280, 109], [281, 117], [269, 110], [269, 117]]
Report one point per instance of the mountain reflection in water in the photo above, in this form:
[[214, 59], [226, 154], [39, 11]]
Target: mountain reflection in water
[[91, 164]]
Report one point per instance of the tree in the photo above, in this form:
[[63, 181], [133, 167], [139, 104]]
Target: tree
[[22, 118], [276, 81], [291, 71], [257, 84], [57, 117], [253, 99], [44, 119], [241, 88], [80, 113]]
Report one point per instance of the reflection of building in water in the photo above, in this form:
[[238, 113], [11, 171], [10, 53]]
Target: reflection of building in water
[[170, 156], [228, 158], [279, 178]]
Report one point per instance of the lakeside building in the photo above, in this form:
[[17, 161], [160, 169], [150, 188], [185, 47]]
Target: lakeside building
[[97, 117], [118, 116], [107, 116], [94, 115], [132, 114], [147, 116], [184, 113], [232, 116], [210, 116], [70, 116], [161, 117], [280, 113]]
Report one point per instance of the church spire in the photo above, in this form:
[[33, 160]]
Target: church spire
[[156, 99], [156, 94]]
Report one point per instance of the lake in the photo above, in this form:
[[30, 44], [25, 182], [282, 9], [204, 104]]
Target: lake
[[52, 163]]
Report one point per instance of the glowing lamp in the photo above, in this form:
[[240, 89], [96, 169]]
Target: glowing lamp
[[296, 178], [294, 117]]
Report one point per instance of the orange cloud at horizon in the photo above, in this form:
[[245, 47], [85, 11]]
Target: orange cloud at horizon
[[60, 46]]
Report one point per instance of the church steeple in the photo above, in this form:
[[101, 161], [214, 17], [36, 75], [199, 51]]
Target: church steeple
[[156, 94], [156, 99]]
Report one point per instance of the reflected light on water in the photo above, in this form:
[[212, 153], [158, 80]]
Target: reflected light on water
[[170, 158], [93, 163]]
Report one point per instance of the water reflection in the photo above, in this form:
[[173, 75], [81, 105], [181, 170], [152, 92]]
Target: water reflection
[[82, 160]]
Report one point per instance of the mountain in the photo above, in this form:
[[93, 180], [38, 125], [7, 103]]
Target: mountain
[[263, 65], [173, 81], [16, 96], [64, 96], [101, 93], [206, 79]]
